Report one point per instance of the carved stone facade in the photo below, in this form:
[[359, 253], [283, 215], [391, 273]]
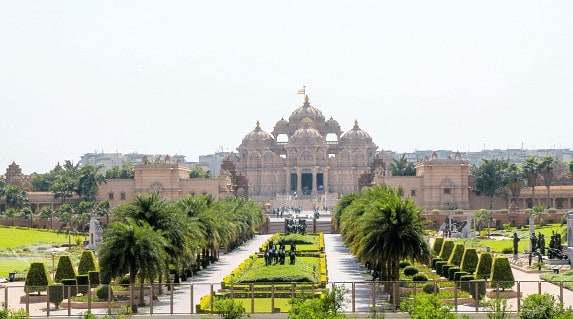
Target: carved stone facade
[[304, 156]]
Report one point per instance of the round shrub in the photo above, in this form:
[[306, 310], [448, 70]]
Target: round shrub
[[56, 294], [470, 260], [538, 306], [431, 288], [404, 264], [102, 292], [410, 271], [37, 278], [419, 277]]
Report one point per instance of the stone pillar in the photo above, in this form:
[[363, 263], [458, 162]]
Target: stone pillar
[[570, 234], [313, 190], [298, 182], [287, 181]]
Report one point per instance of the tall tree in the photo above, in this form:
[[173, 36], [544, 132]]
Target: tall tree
[[16, 197], [515, 180], [491, 179], [63, 188], [531, 170], [401, 167], [482, 218], [88, 181], [547, 168]]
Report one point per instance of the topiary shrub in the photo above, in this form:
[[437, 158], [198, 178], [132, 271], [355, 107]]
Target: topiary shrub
[[94, 278], [419, 277], [447, 249], [83, 282], [102, 292], [410, 271], [469, 260], [507, 250], [437, 248], [457, 255], [229, 308], [56, 294], [124, 281], [459, 274], [70, 288], [483, 270], [431, 288], [465, 282], [452, 271], [404, 264], [477, 286], [439, 265], [434, 261], [37, 278], [445, 270], [65, 269], [501, 274], [87, 262]]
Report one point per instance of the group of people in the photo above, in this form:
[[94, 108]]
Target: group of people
[[277, 255], [555, 249], [293, 226]]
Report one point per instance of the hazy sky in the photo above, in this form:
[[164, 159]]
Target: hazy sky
[[190, 77]]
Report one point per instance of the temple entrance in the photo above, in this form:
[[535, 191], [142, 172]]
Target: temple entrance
[[306, 183], [293, 182], [319, 181]]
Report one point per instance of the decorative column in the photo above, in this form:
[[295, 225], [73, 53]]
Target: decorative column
[[313, 189], [298, 181]]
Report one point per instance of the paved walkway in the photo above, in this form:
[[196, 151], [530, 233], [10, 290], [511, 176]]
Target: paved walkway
[[343, 269]]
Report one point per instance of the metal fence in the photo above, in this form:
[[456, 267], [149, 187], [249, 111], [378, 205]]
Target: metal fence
[[198, 297]]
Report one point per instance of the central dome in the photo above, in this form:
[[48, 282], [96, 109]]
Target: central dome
[[306, 110], [258, 138], [307, 134]]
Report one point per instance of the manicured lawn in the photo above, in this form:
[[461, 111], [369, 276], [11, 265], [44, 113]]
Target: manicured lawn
[[19, 265], [299, 272], [11, 237]]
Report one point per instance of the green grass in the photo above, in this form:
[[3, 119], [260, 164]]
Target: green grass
[[565, 277], [299, 272], [12, 237], [264, 304]]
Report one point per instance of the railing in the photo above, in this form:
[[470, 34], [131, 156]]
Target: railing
[[196, 298]]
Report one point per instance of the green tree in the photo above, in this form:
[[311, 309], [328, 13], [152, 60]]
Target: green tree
[[531, 172], [62, 188], [547, 168], [88, 182], [329, 306], [515, 180], [483, 217], [382, 227], [199, 172], [16, 197], [570, 166], [47, 213], [132, 248], [344, 202], [401, 167], [37, 278], [491, 178], [126, 171], [427, 306]]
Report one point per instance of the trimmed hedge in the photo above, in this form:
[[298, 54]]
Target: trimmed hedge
[[470, 260], [480, 283], [94, 278], [459, 274], [56, 294], [83, 282], [434, 261], [65, 269], [439, 265], [445, 270], [438, 242], [465, 282], [457, 255], [452, 271], [411, 271], [447, 249], [37, 278], [420, 277], [70, 285], [87, 263], [483, 270], [501, 274]]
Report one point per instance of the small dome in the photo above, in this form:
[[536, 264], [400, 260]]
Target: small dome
[[258, 138], [306, 111], [332, 122], [307, 134], [281, 124], [356, 134]]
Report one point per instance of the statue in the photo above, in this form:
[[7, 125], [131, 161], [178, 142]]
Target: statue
[[515, 243], [533, 239], [542, 244]]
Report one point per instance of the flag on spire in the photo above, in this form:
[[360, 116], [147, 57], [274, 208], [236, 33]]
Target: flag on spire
[[302, 91]]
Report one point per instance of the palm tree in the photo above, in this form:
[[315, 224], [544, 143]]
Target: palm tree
[[88, 181], [515, 179], [531, 172], [133, 248], [47, 213], [401, 167], [382, 227], [344, 202], [103, 209], [547, 168], [62, 188]]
